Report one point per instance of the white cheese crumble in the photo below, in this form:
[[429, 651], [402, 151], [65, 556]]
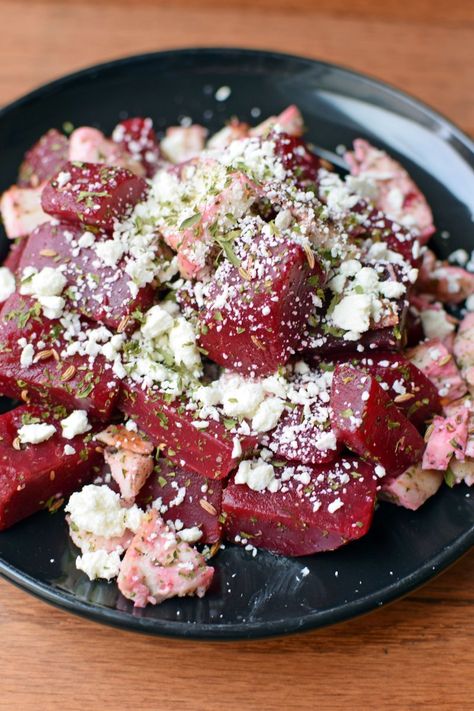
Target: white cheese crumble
[[258, 475], [26, 356], [75, 424], [99, 564], [335, 505], [190, 535], [98, 510], [36, 433], [7, 283]]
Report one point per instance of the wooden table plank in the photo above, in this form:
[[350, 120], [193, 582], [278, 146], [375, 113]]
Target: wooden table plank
[[415, 654]]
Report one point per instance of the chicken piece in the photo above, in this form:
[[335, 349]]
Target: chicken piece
[[182, 143], [21, 211], [129, 458], [436, 362], [290, 121], [397, 194], [234, 131], [412, 488], [157, 566], [463, 471], [464, 350], [89, 145], [449, 284], [448, 438], [453, 408]]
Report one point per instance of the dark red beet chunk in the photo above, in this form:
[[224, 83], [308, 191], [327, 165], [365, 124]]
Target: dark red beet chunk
[[296, 157], [44, 159], [170, 427], [38, 476], [137, 136], [380, 228], [196, 501], [100, 292], [94, 194], [295, 520], [13, 258], [259, 319], [295, 438], [370, 424], [70, 381], [320, 346], [420, 401]]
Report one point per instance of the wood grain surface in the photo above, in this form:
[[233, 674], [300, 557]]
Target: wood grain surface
[[417, 653]]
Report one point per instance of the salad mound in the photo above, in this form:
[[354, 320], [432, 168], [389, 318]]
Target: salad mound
[[221, 338]]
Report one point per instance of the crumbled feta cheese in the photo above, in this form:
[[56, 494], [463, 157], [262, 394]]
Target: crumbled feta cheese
[[325, 441], [240, 397], [110, 251], [99, 564], [190, 535], [87, 239], [98, 510], [379, 471], [52, 306], [258, 475], [47, 282], [27, 354], [36, 433], [352, 313], [75, 424], [68, 450], [392, 289], [157, 321], [236, 448], [267, 414], [335, 505], [7, 283], [182, 341]]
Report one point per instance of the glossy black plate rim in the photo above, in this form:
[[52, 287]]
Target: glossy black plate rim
[[244, 630]]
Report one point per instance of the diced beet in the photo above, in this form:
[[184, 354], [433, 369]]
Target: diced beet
[[253, 323], [320, 346], [100, 292], [71, 381], [44, 159], [185, 497], [379, 228], [13, 258], [408, 387], [38, 476], [296, 157], [412, 488], [93, 194], [138, 137], [334, 508], [370, 424], [170, 427], [295, 439]]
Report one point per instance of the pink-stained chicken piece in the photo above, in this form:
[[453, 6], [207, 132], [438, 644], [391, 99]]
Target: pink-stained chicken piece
[[448, 439], [436, 362], [457, 407], [397, 194], [182, 143], [89, 145], [21, 211], [158, 566], [464, 350], [412, 488], [129, 458], [444, 281], [290, 121]]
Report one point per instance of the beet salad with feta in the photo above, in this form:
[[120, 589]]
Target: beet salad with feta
[[213, 340]]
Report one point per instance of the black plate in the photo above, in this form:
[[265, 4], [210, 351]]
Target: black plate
[[267, 595]]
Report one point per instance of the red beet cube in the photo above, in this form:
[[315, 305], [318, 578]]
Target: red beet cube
[[295, 438], [370, 424], [100, 292], [44, 159], [137, 136], [408, 387], [255, 315], [296, 157], [335, 507], [170, 427], [92, 194], [70, 381], [185, 497], [38, 476]]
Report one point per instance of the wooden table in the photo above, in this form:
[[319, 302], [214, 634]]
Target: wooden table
[[417, 653]]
